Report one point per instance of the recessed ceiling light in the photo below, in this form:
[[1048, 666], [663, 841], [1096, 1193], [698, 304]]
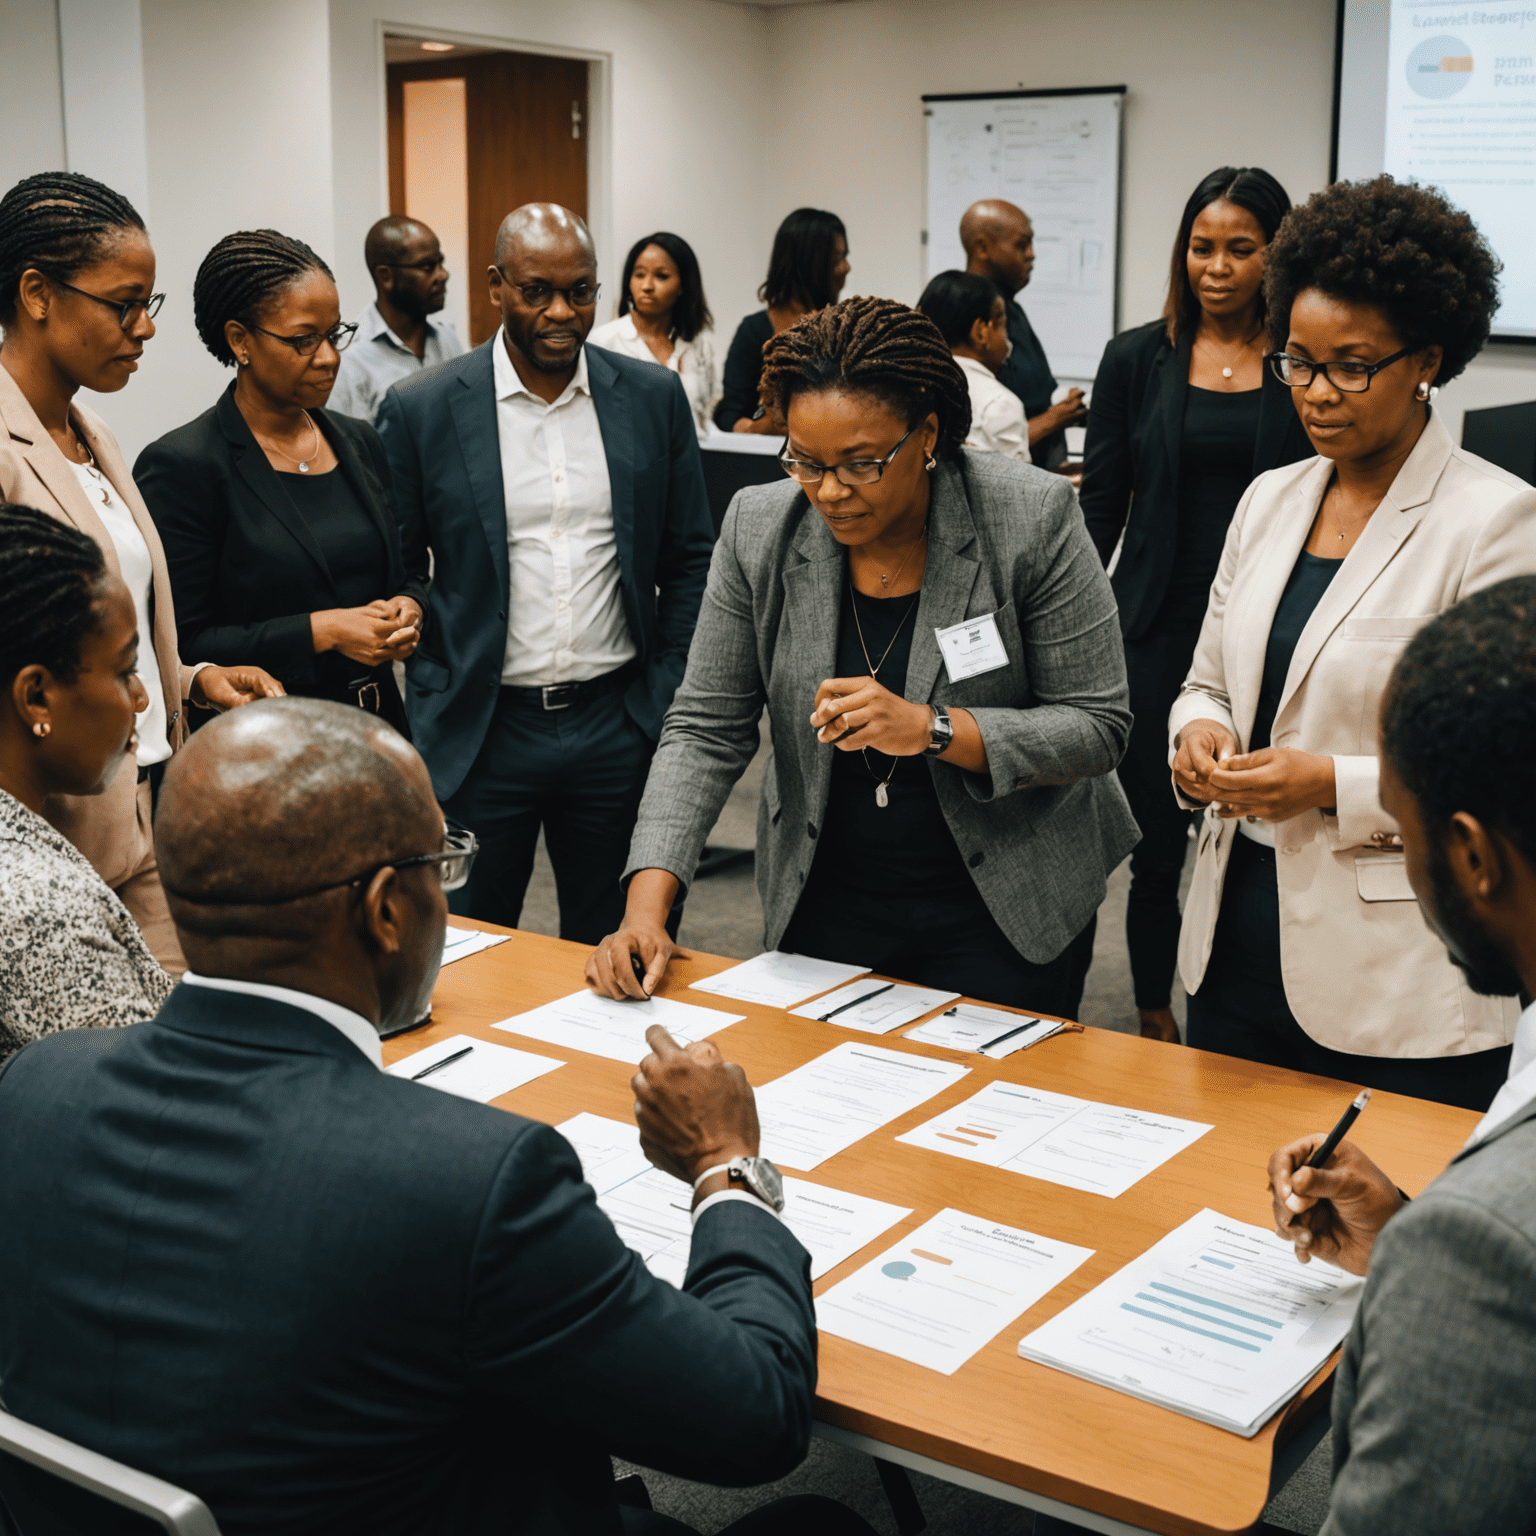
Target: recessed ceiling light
[[437, 47]]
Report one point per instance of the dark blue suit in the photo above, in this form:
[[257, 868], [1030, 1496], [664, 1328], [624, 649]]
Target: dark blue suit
[[500, 766], [325, 1300]]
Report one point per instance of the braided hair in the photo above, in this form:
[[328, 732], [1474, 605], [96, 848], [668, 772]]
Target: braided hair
[[51, 575], [873, 347], [58, 223], [241, 276]]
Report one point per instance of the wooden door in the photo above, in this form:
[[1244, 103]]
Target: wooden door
[[526, 116]]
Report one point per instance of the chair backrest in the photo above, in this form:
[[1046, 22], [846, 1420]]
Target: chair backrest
[[173, 1509]]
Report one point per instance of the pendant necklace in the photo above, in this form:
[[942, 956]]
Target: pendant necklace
[[882, 789], [1243, 346], [314, 452], [885, 581], [93, 469]]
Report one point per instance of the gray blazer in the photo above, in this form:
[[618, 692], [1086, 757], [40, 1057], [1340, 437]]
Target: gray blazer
[[1434, 1403], [1042, 832]]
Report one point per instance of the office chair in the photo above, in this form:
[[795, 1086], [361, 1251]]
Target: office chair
[[1504, 435], [22, 1499]]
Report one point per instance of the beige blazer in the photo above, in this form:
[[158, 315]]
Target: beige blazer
[[33, 472], [1362, 971]]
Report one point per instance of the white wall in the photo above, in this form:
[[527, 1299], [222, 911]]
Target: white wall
[[31, 110]]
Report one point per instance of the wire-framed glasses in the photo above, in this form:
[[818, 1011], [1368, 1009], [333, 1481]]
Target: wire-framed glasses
[[541, 295], [127, 311], [854, 472], [339, 336], [1347, 376]]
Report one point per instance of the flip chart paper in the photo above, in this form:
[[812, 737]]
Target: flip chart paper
[[946, 1289], [485, 1074], [876, 1007], [604, 1027], [779, 980]]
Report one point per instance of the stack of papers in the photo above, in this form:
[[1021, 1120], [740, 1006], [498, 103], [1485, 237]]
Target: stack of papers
[[876, 1007], [819, 1109], [651, 1210], [604, 1027], [946, 1289], [468, 941], [1100, 1148], [779, 980], [1217, 1321], [989, 1031], [482, 1071]]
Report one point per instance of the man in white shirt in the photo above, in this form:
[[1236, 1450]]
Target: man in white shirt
[[969, 313], [561, 493], [395, 338]]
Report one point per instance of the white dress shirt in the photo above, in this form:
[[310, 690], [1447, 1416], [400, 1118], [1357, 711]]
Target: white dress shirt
[[692, 361], [565, 610], [354, 1026], [1520, 1087], [378, 358], [997, 414]]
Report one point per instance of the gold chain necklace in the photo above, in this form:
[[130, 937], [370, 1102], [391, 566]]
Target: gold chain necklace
[[309, 458], [882, 786], [885, 581]]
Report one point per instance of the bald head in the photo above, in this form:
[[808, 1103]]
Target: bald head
[[999, 243], [543, 230], [392, 239]]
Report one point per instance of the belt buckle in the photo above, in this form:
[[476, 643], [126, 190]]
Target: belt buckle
[[368, 697], [554, 688]]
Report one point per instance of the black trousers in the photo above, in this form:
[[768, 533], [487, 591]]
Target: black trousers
[[951, 942], [578, 773], [1156, 666], [1241, 1008]]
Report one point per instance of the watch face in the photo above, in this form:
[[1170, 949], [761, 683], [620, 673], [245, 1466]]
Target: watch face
[[762, 1178]]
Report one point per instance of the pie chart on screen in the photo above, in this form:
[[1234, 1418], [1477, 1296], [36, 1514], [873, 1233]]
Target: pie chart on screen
[[1439, 67]]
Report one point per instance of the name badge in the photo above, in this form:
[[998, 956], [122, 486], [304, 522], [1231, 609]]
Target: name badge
[[971, 647]]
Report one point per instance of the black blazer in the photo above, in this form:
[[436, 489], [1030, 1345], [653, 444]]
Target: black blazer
[[1131, 462], [743, 370], [246, 573], [328, 1301]]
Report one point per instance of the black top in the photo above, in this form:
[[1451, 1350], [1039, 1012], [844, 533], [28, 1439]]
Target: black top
[[1217, 467], [1028, 374], [743, 369], [1303, 592], [907, 845]]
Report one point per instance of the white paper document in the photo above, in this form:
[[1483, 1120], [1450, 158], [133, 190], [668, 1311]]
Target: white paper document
[[468, 941], [817, 1110], [779, 980], [482, 1071], [1102, 1149], [604, 1026], [1217, 1321], [946, 1289], [876, 1007], [650, 1209], [988, 1031]]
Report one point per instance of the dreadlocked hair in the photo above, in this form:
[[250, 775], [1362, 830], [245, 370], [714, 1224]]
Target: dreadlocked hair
[[240, 276], [873, 347], [51, 575], [58, 223]]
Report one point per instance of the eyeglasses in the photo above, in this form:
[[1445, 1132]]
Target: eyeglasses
[[855, 472], [127, 313], [339, 336], [542, 295], [1349, 377], [416, 266]]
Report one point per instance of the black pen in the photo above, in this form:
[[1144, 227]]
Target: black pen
[[821, 1018], [437, 1066], [987, 1045], [1337, 1134]]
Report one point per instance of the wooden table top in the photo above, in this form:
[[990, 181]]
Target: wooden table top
[[999, 1416]]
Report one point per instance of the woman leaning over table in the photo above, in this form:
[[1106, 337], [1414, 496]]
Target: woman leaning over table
[[77, 302], [664, 318], [1302, 943], [279, 526], [955, 828]]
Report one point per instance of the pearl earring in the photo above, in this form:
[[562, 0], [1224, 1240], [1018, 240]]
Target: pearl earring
[[1427, 391], [41, 729]]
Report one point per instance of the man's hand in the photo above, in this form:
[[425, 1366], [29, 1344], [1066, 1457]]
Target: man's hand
[[1202, 745], [1274, 784], [223, 688], [695, 1110], [1331, 1213], [1068, 411], [855, 712]]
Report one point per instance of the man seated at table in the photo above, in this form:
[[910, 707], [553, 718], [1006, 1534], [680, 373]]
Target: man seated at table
[[1434, 1404], [238, 1256]]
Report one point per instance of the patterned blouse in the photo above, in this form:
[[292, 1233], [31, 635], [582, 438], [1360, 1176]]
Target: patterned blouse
[[70, 955]]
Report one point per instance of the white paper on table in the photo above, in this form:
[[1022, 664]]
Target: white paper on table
[[888, 1006], [461, 942], [1102, 1149], [840, 1097], [946, 1289], [988, 1031], [779, 980], [650, 1209], [1217, 1321], [485, 1074], [603, 1026]]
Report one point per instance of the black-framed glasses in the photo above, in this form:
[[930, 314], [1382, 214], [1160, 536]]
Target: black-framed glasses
[[428, 267], [339, 336], [854, 472], [127, 311], [542, 295], [1347, 376]]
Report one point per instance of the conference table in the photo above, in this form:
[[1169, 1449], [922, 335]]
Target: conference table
[[1002, 1425]]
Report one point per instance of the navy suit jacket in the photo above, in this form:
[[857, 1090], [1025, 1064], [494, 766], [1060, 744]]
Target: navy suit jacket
[[326, 1300], [439, 430]]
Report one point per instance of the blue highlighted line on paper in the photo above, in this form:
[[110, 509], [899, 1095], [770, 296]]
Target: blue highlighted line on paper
[[1205, 1317], [1207, 1259], [1220, 1306], [1173, 1322]]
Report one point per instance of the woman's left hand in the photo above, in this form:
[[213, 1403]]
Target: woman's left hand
[[1273, 784], [224, 688], [856, 712]]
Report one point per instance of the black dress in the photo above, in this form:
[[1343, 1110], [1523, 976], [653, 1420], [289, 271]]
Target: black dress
[[743, 370]]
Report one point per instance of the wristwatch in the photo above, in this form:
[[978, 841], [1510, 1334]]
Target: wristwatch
[[943, 732], [756, 1174]]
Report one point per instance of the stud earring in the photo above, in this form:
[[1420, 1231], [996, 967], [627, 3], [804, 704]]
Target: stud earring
[[245, 362], [41, 729], [1426, 391]]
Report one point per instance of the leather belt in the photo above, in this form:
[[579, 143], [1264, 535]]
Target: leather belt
[[554, 696]]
